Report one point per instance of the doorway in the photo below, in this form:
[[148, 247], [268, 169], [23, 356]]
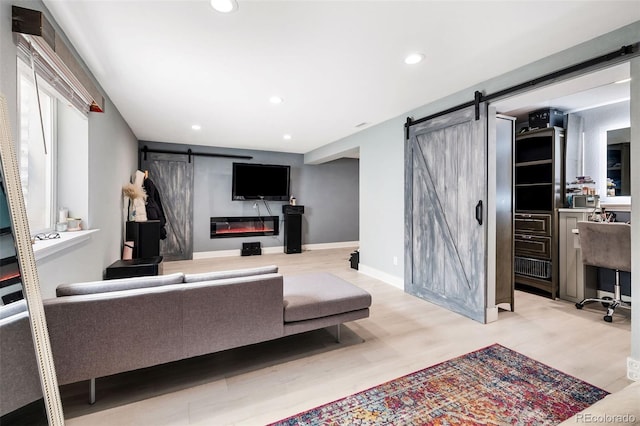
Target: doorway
[[592, 105]]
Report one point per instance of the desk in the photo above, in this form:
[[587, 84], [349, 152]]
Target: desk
[[134, 268]]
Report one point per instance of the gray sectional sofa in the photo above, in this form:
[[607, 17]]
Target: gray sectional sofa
[[19, 378], [107, 327]]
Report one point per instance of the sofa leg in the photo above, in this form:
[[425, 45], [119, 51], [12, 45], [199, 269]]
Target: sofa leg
[[338, 333], [92, 391]]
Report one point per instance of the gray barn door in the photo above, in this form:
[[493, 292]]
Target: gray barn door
[[173, 175], [445, 207]]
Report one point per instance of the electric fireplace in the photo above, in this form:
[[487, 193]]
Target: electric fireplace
[[244, 226]]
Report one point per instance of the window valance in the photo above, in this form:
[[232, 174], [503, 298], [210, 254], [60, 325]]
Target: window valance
[[37, 41]]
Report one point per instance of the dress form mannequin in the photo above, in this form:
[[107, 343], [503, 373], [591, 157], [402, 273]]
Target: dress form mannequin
[[139, 209]]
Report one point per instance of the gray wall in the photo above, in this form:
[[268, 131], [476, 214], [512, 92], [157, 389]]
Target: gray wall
[[111, 158], [329, 193], [381, 152], [73, 171], [381, 160]]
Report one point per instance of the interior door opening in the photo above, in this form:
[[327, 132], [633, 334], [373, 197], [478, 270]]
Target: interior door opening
[[591, 105]]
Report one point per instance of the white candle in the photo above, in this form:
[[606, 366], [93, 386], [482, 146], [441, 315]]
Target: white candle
[[63, 213]]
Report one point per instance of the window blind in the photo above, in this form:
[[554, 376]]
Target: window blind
[[38, 43], [51, 69]]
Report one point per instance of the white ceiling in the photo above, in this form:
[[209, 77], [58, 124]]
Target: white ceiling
[[167, 65]]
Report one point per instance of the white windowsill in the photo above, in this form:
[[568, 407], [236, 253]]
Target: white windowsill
[[45, 248]]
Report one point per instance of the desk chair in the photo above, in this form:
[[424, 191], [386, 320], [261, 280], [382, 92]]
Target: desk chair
[[607, 245]]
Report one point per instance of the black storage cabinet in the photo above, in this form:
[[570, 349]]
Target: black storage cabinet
[[145, 237]]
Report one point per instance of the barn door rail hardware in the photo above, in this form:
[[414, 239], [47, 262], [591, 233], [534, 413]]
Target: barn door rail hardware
[[189, 153], [630, 50]]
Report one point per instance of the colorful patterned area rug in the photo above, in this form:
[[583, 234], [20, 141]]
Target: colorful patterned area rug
[[491, 386]]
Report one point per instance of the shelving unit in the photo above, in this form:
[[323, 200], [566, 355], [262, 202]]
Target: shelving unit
[[538, 192], [10, 278]]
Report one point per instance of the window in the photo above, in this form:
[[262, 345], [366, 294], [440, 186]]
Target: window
[[53, 133], [37, 165], [58, 178]]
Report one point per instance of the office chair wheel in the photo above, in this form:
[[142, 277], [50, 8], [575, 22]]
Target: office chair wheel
[[606, 304], [608, 318], [579, 305]]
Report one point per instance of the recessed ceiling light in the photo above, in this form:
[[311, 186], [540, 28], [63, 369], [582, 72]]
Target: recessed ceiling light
[[414, 58], [286, 137], [364, 123], [196, 127], [626, 80], [224, 6], [276, 100]]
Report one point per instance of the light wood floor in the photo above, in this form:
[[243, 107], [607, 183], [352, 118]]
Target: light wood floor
[[262, 383]]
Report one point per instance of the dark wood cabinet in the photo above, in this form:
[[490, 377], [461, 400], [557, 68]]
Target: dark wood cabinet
[[538, 193], [145, 237]]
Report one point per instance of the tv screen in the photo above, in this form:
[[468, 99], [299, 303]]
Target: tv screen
[[260, 182]]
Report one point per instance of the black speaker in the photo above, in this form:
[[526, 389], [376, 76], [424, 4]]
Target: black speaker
[[145, 237], [292, 233], [289, 209], [251, 249]]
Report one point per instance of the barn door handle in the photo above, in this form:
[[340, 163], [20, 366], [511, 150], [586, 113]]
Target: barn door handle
[[479, 212]]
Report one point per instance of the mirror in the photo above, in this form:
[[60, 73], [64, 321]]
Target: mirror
[[19, 266], [618, 162]]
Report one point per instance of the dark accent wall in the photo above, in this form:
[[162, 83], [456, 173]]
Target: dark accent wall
[[328, 191]]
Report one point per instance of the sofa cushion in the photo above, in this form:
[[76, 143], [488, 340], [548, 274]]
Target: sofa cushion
[[220, 275], [13, 308], [120, 284], [320, 295]]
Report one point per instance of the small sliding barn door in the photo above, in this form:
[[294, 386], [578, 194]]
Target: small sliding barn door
[[173, 175], [445, 212]]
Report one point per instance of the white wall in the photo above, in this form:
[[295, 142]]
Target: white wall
[[634, 362]]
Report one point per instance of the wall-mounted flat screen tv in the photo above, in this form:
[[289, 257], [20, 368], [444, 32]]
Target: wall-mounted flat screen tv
[[260, 182]]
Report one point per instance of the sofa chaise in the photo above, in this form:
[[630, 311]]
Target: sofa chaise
[[108, 327]]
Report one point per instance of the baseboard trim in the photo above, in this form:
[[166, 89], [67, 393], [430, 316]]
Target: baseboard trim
[[633, 369], [382, 276], [216, 253], [275, 249], [491, 314], [327, 246]]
